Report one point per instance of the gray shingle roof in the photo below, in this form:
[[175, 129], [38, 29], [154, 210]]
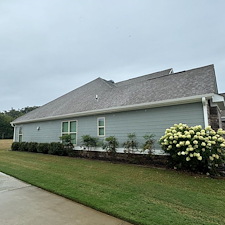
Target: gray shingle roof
[[158, 86]]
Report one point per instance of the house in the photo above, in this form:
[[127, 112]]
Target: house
[[223, 114], [145, 104]]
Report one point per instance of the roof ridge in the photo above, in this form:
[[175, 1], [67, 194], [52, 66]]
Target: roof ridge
[[184, 71], [197, 68], [140, 78]]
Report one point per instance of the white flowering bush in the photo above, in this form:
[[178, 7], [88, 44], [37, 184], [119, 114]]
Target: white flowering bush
[[194, 148]]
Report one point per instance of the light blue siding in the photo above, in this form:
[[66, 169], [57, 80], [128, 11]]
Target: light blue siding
[[154, 121]]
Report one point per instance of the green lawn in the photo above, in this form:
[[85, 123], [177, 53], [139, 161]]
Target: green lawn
[[137, 194], [5, 144]]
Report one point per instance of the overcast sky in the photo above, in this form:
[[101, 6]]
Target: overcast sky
[[50, 47]]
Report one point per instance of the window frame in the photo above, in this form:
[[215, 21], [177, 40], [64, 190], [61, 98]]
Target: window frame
[[99, 127], [69, 126]]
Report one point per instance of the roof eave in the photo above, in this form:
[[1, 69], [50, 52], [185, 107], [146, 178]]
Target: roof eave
[[177, 101]]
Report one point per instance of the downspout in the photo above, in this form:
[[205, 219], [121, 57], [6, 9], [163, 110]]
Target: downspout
[[205, 111], [14, 131]]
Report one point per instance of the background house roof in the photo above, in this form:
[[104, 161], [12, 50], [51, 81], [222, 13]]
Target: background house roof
[[102, 94]]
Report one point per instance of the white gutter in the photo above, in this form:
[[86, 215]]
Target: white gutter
[[14, 131], [177, 101], [205, 111]]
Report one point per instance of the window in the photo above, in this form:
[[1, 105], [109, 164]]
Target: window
[[101, 126], [70, 127], [20, 134]]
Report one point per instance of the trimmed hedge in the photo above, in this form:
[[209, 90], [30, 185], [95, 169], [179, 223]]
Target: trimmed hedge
[[54, 148]]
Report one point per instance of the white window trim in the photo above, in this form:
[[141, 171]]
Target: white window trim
[[100, 126], [69, 121]]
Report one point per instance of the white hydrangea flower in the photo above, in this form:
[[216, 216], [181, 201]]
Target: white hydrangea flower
[[187, 143], [208, 128], [181, 143], [195, 142]]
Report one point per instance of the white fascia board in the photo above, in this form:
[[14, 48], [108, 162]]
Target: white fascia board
[[148, 105]]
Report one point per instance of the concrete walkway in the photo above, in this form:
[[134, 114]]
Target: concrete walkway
[[24, 204]]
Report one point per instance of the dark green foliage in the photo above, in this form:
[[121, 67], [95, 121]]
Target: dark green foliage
[[89, 141], [56, 148], [131, 145], [43, 148], [15, 146], [32, 146], [23, 146], [110, 144], [6, 130], [67, 142]]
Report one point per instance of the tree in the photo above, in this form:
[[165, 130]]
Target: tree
[[6, 130]]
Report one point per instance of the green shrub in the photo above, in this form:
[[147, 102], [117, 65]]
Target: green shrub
[[32, 146], [56, 148], [67, 142], [193, 148], [43, 148], [149, 143], [23, 146], [89, 141], [131, 145], [15, 146], [110, 144]]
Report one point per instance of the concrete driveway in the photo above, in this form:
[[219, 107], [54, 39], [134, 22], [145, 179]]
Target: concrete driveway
[[24, 204]]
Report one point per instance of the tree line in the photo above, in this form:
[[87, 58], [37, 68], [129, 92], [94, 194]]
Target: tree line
[[6, 117]]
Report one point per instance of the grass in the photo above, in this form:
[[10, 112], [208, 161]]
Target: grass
[[137, 194], [5, 144]]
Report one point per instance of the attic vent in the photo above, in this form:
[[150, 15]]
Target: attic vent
[[96, 97]]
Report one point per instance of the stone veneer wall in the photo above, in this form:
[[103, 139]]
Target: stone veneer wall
[[214, 118], [223, 125]]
